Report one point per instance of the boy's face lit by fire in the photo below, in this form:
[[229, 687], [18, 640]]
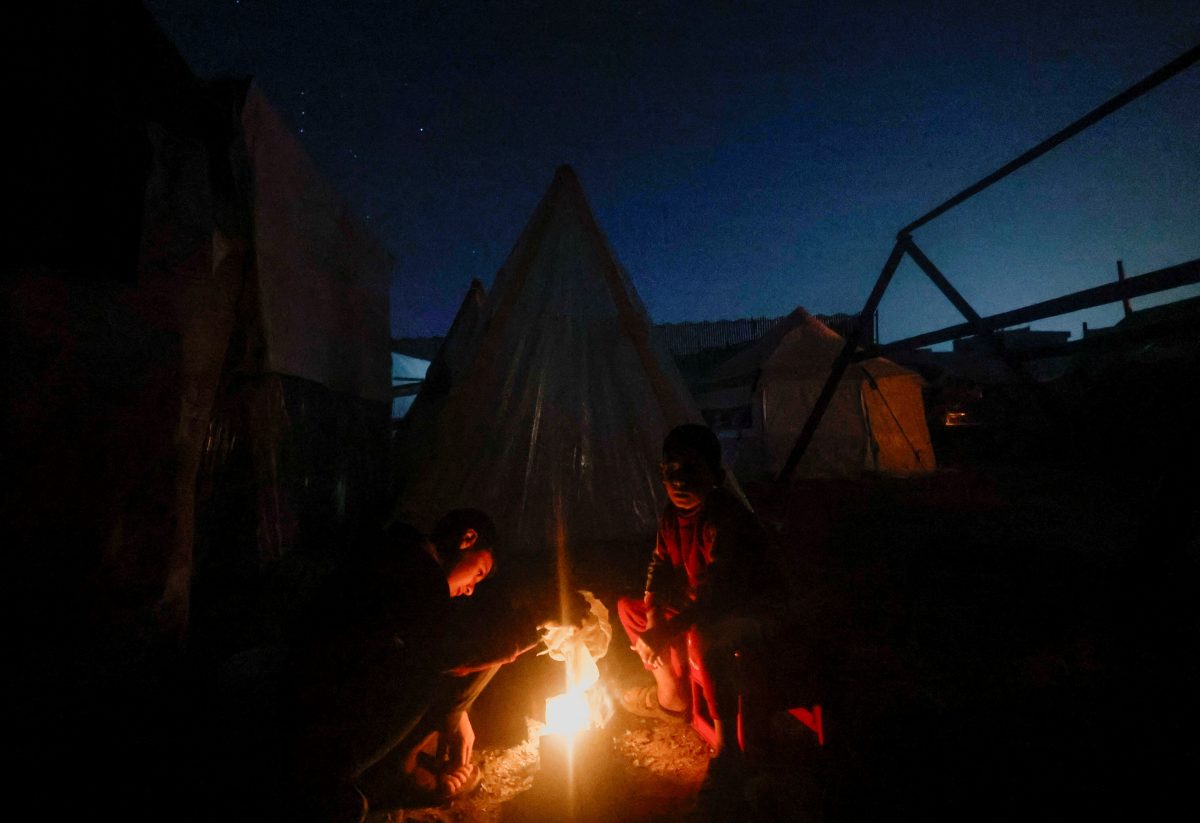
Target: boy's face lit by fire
[[472, 562], [687, 478], [473, 566]]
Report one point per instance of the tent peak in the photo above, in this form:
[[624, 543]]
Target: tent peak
[[566, 180]]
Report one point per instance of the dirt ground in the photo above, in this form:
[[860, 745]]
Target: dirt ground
[[654, 773], [990, 642], [1010, 637], [651, 771], [637, 770]]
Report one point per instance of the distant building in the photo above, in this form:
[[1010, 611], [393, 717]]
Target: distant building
[[696, 346], [1022, 339]]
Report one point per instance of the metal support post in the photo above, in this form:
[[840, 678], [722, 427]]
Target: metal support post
[[842, 361]]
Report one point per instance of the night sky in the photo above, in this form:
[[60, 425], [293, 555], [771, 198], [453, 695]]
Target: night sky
[[743, 158]]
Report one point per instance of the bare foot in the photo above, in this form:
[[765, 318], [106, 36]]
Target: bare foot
[[423, 780], [451, 781]]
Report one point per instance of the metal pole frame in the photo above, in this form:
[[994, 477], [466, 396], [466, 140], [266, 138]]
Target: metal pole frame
[[905, 245], [842, 362], [1171, 277]]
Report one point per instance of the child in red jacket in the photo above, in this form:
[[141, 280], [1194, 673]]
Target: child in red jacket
[[709, 574]]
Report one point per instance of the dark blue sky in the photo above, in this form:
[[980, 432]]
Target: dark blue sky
[[743, 158]]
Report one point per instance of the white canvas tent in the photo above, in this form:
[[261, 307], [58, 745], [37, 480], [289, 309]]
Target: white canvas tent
[[556, 425], [875, 422]]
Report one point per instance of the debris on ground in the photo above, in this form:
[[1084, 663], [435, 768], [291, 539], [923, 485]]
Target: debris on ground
[[658, 769]]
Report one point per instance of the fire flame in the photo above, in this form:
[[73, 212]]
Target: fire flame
[[585, 704]]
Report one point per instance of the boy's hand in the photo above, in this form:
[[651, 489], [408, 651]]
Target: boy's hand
[[647, 654], [457, 741], [657, 637], [651, 618]]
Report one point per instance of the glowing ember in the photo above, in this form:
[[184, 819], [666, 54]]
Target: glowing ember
[[585, 704]]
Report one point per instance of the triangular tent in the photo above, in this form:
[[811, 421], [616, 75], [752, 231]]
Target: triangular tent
[[454, 355], [321, 276], [557, 424], [875, 421], [417, 433], [196, 351]]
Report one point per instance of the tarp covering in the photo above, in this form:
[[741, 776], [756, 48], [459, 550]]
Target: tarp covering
[[296, 452], [454, 357], [240, 262], [117, 318], [416, 434], [452, 360], [323, 280], [110, 377], [559, 419], [289, 473], [875, 420]]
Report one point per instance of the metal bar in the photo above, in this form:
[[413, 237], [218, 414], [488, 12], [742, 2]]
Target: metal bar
[[1125, 304], [981, 328], [1183, 274], [939, 280], [1100, 112], [840, 364], [964, 308]]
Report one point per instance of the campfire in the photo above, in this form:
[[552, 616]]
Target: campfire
[[571, 745], [585, 704]]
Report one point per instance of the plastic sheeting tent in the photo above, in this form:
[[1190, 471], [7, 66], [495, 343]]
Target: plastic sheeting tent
[[322, 278], [295, 460], [416, 433], [874, 423], [191, 318], [242, 329], [559, 418]]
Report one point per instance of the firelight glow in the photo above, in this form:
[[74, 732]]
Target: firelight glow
[[584, 704], [567, 714]]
